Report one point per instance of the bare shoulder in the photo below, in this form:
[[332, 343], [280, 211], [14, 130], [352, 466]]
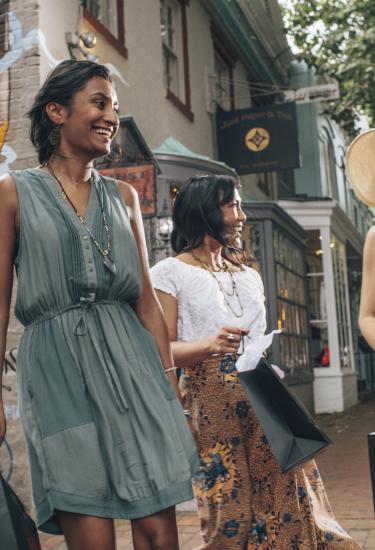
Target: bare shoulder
[[128, 193], [369, 248], [8, 192], [370, 237]]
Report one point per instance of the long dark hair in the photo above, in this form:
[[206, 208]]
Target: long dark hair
[[197, 212], [68, 78]]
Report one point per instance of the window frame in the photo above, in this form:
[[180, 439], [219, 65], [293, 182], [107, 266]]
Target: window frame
[[224, 50], [183, 106], [117, 42], [296, 333], [330, 168]]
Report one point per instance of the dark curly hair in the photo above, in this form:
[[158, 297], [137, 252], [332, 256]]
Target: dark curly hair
[[197, 212], [68, 78]]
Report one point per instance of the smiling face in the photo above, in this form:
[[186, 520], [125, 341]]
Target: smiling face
[[91, 121], [234, 218]]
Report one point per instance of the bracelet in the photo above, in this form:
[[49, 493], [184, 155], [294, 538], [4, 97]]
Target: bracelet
[[170, 369]]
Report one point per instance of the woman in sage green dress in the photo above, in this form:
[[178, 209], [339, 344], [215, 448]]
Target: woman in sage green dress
[[106, 434]]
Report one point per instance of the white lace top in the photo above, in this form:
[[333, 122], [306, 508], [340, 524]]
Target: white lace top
[[202, 310]]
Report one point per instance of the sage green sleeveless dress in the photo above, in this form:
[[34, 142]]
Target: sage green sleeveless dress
[[106, 435]]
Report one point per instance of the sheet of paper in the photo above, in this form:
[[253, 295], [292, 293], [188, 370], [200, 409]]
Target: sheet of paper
[[254, 350]]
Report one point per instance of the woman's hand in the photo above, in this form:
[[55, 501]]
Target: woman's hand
[[3, 424], [227, 341]]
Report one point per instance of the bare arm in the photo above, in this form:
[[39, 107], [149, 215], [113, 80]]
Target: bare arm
[[367, 307], [189, 353], [148, 308], [8, 231]]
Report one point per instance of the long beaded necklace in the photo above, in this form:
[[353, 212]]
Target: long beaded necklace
[[224, 292], [104, 252]]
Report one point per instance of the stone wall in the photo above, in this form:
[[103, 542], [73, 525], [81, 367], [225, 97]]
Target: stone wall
[[19, 82]]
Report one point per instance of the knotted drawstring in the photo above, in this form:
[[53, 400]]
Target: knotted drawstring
[[80, 326], [83, 304]]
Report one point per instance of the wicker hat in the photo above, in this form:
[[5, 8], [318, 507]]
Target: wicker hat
[[360, 166]]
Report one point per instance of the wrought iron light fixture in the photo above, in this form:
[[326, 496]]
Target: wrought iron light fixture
[[161, 234]]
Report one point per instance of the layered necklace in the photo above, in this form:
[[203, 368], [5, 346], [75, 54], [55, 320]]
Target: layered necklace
[[104, 252], [225, 293]]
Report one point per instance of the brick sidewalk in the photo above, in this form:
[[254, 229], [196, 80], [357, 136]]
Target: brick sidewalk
[[345, 471]]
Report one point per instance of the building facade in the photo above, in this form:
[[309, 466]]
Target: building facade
[[319, 198], [173, 63]]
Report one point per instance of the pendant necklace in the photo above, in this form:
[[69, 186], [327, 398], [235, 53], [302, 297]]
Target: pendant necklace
[[104, 252], [223, 291]]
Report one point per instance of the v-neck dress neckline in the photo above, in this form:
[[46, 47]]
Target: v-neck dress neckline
[[91, 205]]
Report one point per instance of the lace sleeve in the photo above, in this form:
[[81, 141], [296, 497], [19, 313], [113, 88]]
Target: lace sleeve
[[165, 276]]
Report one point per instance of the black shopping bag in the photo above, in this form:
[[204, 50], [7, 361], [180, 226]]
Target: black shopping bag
[[17, 530], [291, 431]]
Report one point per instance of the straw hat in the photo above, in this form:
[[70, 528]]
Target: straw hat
[[360, 166]]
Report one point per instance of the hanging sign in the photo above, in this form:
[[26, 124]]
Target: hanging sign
[[260, 139], [313, 94]]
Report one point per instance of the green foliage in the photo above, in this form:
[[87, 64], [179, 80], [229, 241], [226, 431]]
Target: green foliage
[[338, 37]]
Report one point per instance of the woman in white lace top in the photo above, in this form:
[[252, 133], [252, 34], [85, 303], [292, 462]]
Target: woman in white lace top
[[212, 301]]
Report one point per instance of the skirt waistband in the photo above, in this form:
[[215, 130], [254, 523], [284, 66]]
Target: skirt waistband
[[213, 361]]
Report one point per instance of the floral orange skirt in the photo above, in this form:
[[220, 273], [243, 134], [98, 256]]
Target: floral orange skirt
[[243, 500]]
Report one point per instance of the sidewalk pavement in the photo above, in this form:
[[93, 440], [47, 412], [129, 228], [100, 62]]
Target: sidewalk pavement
[[345, 472]]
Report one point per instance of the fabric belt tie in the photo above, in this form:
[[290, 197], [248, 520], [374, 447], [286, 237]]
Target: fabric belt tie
[[83, 305], [80, 329]]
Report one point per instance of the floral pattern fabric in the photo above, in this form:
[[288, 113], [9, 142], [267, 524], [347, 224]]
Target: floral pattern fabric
[[243, 500]]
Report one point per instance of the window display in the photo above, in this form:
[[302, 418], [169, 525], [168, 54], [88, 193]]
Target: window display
[[279, 257], [291, 302], [341, 292], [317, 301]]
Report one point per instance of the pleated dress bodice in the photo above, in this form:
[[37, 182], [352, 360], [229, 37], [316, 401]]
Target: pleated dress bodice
[[57, 264]]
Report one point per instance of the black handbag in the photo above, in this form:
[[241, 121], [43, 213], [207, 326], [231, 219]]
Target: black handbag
[[17, 529], [289, 428]]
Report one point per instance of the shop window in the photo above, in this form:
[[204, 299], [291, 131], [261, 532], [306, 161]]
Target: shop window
[[276, 246], [225, 58], [107, 17], [224, 93], [291, 300], [341, 293], [330, 167], [171, 40], [174, 38], [317, 301]]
